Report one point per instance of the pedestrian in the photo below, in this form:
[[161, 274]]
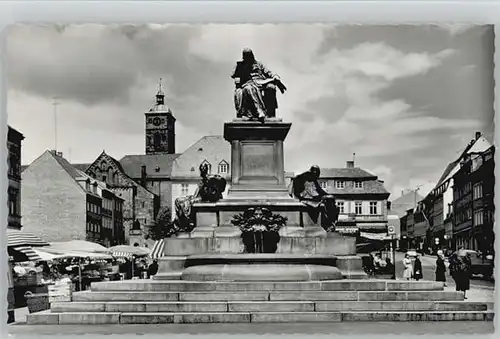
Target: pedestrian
[[390, 268], [408, 267], [440, 267], [153, 268], [460, 266], [417, 269]]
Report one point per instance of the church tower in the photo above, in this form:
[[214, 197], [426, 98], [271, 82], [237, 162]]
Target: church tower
[[160, 127]]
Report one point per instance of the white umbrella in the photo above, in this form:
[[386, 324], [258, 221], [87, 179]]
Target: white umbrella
[[80, 246]]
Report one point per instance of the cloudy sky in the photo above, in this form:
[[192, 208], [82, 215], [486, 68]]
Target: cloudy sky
[[405, 99]]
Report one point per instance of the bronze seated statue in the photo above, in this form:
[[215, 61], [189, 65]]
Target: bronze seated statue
[[306, 188], [210, 189]]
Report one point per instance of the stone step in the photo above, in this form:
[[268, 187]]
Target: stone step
[[252, 317], [272, 296], [262, 306], [205, 286]]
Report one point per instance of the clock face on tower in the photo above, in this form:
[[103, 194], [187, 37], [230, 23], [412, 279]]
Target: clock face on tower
[[157, 121]]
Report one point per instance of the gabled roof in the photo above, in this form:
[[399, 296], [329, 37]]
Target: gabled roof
[[346, 173], [480, 144], [156, 164], [213, 149], [72, 171], [81, 167]]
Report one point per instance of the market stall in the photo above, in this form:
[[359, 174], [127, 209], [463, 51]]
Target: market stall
[[21, 264], [133, 260]]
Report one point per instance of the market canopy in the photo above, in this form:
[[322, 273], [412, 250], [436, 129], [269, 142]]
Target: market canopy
[[18, 238], [56, 253], [126, 251], [79, 246], [44, 255], [24, 253]]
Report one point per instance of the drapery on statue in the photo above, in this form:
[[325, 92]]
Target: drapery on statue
[[306, 188], [210, 189], [255, 93]]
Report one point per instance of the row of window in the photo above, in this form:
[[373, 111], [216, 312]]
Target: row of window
[[107, 204], [477, 191], [340, 184], [14, 165], [463, 216], [93, 227], [464, 190], [358, 207], [14, 202], [93, 208], [107, 223]]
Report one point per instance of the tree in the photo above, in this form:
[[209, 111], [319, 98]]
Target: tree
[[162, 226]]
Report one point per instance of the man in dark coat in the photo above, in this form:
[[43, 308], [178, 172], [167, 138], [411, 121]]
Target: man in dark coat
[[417, 269], [306, 188], [460, 266], [153, 268], [440, 267]]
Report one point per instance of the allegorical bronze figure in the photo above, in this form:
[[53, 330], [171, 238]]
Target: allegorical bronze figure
[[255, 93], [306, 188], [210, 189]]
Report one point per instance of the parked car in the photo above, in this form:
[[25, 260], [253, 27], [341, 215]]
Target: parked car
[[481, 264]]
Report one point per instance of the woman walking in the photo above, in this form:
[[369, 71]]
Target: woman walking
[[417, 269], [460, 266], [440, 267], [408, 267]]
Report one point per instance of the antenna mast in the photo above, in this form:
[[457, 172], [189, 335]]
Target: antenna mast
[[55, 103]]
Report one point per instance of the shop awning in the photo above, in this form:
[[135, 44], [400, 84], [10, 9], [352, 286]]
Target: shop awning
[[16, 238], [27, 251], [347, 229], [375, 236], [158, 249]]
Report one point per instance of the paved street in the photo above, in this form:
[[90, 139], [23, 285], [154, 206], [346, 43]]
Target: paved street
[[455, 327], [428, 267]]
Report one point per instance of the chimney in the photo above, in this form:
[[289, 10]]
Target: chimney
[[478, 135], [350, 164], [143, 175]]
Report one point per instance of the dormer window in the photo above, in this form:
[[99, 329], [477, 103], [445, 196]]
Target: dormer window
[[358, 184], [339, 184], [223, 167]]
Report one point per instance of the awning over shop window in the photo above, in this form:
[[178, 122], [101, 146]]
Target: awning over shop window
[[377, 226], [158, 249], [375, 236], [16, 238], [347, 229]]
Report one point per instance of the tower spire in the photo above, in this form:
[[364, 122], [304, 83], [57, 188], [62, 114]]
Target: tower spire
[[160, 96]]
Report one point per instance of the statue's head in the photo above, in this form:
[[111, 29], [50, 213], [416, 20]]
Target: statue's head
[[315, 172], [247, 55], [203, 170]]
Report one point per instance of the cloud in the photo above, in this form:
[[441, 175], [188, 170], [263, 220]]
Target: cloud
[[390, 94]]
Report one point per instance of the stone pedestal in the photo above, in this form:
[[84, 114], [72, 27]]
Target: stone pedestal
[[257, 159]]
